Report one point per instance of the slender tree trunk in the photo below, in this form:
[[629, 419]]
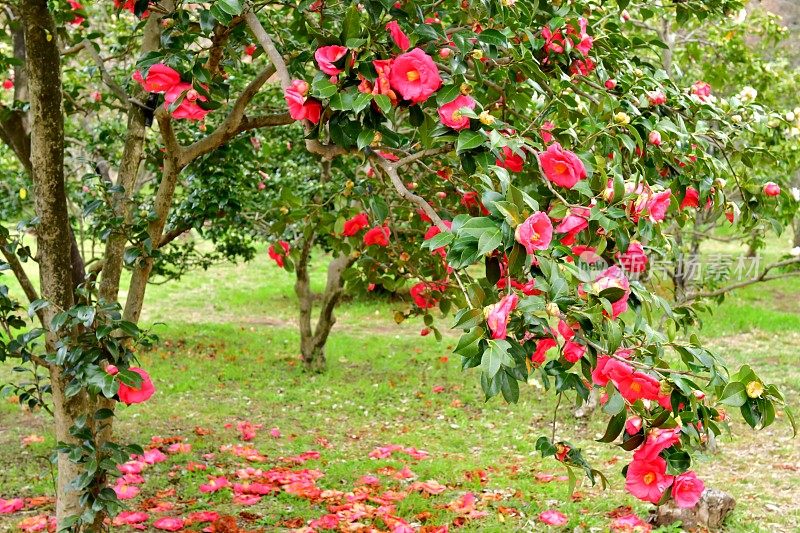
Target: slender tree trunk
[[54, 238]]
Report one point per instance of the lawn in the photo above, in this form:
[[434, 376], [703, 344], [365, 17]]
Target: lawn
[[228, 354]]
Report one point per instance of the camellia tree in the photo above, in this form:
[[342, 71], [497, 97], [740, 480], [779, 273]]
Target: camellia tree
[[557, 144]]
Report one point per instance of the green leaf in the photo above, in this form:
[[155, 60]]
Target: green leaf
[[489, 241], [734, 394], [614, 428], [468, 140], [365, 138], [496, 355], [383, 102], [508, 387]]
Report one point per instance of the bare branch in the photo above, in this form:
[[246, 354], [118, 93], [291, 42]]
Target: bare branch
[[763, 277], [268, 45]]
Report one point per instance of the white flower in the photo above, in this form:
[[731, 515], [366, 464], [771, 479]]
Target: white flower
[[739, 17], [748, 94], [795, 252], [790, 116], [796, 194]]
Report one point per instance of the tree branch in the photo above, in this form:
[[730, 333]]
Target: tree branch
[[764, 276]]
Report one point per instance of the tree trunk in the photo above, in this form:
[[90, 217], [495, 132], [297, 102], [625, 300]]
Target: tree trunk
[[54, 238]]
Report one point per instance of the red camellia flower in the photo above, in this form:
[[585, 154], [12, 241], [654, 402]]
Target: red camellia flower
[[511, 160], [611, 84], [434, 231], [160, 78], [648, 479], [582, 67], [657, 441], [422, 294], [772, 189], [76, 6], [300, 107], [130, 395], [658, 204], [497, 315], [634, 259], [553, 40], [573, 351], [377, 236], [540, 354], [275, 255], [633, 425], [326, 56], [562, 167], [127, 518], [535, 233], [657, 97], [398, 36], [691, 198], [415, 76], [450, 113], [188, 108], [687, 490], [545, 130], [702, 90], [355, 224]]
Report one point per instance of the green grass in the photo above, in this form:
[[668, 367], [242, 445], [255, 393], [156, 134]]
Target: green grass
[[228, 352]]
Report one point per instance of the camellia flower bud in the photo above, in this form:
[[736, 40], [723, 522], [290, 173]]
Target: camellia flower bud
[[611, 84], [486, 118], [444, 53], [654, 138], [552, 309], [755, 389], [622, 118], [465, 88]]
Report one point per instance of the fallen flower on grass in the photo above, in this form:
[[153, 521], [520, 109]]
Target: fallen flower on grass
[[180, 447], [629, 523], [129, 518], [169, 524], [246, 499], [11, 506], [39, 522], [301, 458], [275, 433], [215, 484], [153, 456], [32, 439], [126, 492], [431, 487], [553, 518], [200, 517]]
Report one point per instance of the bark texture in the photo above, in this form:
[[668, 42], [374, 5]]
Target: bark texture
[[54, 236]]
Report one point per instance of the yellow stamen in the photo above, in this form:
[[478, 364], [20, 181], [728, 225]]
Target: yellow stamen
[[649, 478], [412, 75]]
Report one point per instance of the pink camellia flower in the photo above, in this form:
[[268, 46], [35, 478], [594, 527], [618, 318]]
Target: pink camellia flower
[[201, 517], [277, 256], [160, 78], [638, 386], [657, 441], [658, 204], [415, 76], [575, 222], [215, 484], [545, 130], [11, 506], [535, 233], [130, 395], [539, 356], [634, 259], [377, 236], [613, 277], [657, 97], [300, 107], [654, 138], [180, 447], [585, 43], [691, 198], [326, 56], [702, 90], [562, 167], [76, 6], [126, 492], [633, 425], [153, 456], [354, 225], [97, 96], [188, 107], [611, 84], [687, 490], [551, 517], [128, 518], [39, 522], [772, 189], [582, 67], [553, 40], [450, 113], [169, 524], [398, 36], [497, 315], [511, 160], [131, 467], [648, 479]]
